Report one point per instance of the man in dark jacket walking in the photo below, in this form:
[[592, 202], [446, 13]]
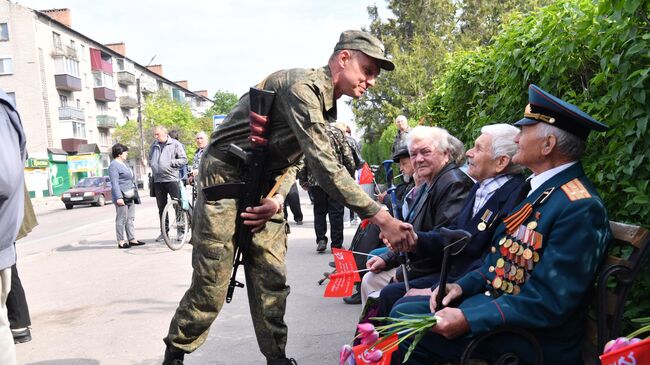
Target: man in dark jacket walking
[[166, 157]]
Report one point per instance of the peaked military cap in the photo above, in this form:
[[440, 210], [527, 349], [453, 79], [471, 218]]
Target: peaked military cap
[[401, 152], [366, 43], [546, 108]]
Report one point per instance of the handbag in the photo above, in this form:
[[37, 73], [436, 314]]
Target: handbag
[[128, 193], [136, 197]]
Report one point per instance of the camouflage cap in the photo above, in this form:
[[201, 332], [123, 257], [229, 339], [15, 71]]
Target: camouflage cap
[[366, 43]]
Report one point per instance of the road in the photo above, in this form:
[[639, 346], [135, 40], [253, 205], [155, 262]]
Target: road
[[92, 303]]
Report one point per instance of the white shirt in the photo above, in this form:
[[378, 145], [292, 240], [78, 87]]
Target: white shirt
[[537, 180]]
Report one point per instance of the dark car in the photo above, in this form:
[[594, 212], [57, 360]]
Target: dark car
[[89, 190]]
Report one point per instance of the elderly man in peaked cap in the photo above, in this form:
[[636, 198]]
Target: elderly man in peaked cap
[[546, 252], [305, 102]]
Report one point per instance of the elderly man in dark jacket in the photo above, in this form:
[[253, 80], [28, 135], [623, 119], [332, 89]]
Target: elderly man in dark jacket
[[437, 203]]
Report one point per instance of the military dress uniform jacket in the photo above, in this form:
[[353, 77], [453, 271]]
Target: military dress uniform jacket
[[304, 106], [480, 225], [540, 273]]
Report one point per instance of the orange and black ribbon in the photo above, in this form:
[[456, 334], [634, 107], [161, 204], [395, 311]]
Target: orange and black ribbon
[[514, 220]]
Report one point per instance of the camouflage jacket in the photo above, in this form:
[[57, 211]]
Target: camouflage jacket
[[304, 105], [343, 154]]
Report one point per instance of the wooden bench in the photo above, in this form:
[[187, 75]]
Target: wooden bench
[[627, 251]]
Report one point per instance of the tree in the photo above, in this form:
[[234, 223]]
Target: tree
[[159, 109], [224, 101]]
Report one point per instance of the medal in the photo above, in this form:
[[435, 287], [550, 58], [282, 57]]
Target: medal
[[502, 241], [484, 219], [496, 283], [516, 290], [531, 225]]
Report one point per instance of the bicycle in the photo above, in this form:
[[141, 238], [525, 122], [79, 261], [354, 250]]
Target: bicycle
[[177, 216]]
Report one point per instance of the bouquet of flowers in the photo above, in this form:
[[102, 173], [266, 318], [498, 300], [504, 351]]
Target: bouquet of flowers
[[378, 343], [628, 349]]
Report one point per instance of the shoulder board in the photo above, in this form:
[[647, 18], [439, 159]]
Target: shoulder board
[[574, 190]]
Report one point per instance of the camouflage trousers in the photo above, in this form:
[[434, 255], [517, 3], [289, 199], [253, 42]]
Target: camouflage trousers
[[212, 257]]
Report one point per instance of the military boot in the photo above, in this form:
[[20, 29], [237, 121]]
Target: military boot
[[284, 361], [173, 357]]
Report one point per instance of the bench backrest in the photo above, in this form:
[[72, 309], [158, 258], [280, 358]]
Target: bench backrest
[[626, 253]]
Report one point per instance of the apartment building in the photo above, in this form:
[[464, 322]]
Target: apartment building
[[71, 92]]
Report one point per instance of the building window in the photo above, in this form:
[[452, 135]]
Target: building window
[[12, 98], [64, 65], [4, 32], [5, 66], [102, 107], [79, 129], [102, 79], [104, 138], [56, 40], [64, 100]]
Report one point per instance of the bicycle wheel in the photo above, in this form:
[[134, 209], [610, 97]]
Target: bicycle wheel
[[178, 227]]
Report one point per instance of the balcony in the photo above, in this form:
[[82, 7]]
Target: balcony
[[106, 121], [70, 113], [104, 94], [128, 102], [125, 78], [60, 50], [67, 82]]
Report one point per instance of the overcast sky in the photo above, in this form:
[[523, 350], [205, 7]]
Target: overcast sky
[[225, 45]]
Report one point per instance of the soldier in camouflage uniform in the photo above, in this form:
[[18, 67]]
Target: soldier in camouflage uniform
[[304, 104], [324, 205]]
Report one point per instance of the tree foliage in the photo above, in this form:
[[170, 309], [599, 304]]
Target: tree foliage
[[160, 109], [224, 101], [419, 36]]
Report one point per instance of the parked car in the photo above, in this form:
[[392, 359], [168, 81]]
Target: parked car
[[89, 190]]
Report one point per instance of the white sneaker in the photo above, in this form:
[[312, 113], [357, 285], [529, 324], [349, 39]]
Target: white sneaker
[[160, 238]]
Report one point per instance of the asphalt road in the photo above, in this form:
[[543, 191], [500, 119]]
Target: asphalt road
[[92, 303]]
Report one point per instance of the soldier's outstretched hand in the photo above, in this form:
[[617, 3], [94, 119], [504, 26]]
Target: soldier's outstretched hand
[[258, 216], [399, 234]]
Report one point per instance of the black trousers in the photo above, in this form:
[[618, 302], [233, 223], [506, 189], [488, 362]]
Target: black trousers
[[162, 189], [324, 206], [393, 292], [293, 202], [17, 308]]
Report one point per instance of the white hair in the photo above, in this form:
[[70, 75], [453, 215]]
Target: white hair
[[437, 137], [567, 143], [503, 143], [201, 134], [400, 118], [456, 150]]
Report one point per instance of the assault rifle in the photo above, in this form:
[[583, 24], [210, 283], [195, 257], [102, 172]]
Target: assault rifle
[[249, 191]]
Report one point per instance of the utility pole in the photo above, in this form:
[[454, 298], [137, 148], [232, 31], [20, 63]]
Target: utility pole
[[137, 84], [145, 182]]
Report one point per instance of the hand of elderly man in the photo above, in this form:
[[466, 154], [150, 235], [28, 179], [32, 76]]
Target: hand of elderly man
[[451, 323], [453, 291]]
